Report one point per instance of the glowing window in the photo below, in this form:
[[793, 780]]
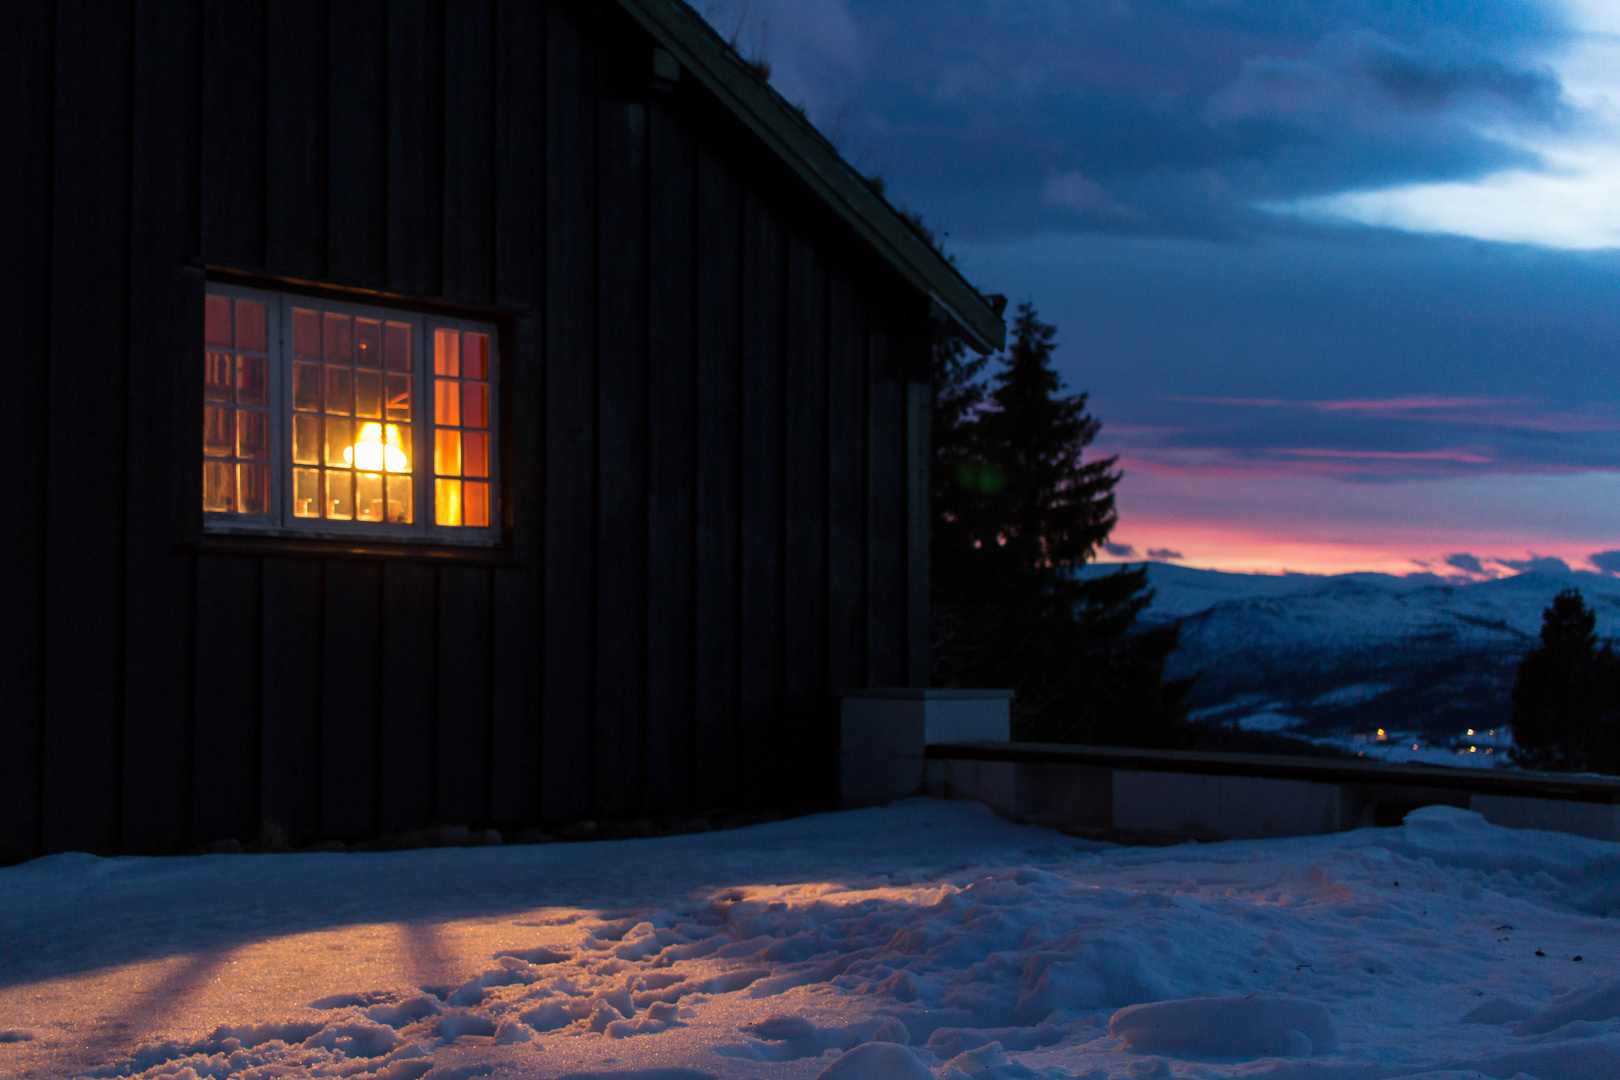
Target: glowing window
[[461, 425], [236, 408], [335, 418]]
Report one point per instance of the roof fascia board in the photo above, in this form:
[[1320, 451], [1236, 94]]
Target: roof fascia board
[[702, 53]]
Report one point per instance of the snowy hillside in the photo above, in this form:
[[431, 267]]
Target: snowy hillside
[[1339, 658], [924, 941]]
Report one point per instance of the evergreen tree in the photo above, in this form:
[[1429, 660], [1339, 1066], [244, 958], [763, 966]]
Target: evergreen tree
[[1017, 512], [1566, 700]]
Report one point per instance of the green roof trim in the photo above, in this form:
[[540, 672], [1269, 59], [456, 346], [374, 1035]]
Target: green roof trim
[[702, 53]]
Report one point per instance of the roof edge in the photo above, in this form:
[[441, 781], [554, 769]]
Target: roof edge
[[701, 52]]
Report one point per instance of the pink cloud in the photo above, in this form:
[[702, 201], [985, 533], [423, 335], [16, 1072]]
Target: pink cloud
[[1273, 523], [1505, 412], [1467, 457], [1407, 404]]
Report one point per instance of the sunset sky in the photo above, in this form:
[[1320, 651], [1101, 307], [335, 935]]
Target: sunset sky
[[1342, 277]]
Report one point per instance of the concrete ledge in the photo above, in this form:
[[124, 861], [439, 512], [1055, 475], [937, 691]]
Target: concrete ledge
[[1537, 785], [1169, 795]]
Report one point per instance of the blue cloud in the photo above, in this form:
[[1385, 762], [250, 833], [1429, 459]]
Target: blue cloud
[[1536, 564], [1120, 551], [1606, 561], [1467, 563], [1167, 116]]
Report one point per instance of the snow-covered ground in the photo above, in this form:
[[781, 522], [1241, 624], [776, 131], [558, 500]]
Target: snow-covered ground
[[824, 945]]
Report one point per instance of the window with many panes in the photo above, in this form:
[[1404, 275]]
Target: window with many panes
[[330, 418]]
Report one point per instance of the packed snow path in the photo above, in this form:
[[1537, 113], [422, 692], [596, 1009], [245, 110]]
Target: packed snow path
[[928, 939]]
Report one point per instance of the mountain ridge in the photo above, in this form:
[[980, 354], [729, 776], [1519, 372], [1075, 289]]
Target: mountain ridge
[[1337, 658]]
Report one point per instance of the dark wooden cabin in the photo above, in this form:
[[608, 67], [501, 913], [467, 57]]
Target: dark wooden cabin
[[673, 498]]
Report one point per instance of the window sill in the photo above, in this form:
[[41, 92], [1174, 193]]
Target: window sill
[[354, 548]]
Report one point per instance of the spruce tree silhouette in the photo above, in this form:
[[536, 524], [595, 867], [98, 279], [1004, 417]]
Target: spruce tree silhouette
[[1566, 700], [1017, 510]]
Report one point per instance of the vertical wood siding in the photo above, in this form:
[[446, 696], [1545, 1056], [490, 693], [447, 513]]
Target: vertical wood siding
[[714, 432]]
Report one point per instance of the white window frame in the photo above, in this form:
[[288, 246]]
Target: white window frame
[[424, 528]]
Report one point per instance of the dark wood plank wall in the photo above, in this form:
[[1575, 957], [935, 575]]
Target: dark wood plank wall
[[715, 432], [27, 84]]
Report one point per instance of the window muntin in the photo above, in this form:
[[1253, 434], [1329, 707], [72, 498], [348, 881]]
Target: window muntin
[[324, 408], [352, 438], [236, 407], [461, 422]]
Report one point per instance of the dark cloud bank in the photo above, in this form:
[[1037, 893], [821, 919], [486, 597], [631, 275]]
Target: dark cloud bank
[[1114, 161]]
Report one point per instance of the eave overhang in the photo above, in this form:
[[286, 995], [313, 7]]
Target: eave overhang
[[701, 53]]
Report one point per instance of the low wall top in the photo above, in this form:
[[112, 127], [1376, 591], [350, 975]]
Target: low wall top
[[1541, 785]]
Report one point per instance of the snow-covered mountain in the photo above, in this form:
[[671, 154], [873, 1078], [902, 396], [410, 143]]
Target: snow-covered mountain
[[1337, 659]]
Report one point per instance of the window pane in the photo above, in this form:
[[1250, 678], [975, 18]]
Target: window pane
[[399, 499], [447, 452], [399, 448], [252, 434], [368, 394], [447, 401], [475, 504], [446, 352], [447, 502], [219, 430], [253, 489], [475, 404], [340, 390], [250, 326], [339, 494], [306, 389], [339, 348], [399, 397], [306, 333], [475, 356], [398, 346], [217, 372], [368, 496], [252, 388], [339, 441], [369, 450], [306, 441], [474, 453], [217, 321], [368, 343], [306, 493], [218, 487]]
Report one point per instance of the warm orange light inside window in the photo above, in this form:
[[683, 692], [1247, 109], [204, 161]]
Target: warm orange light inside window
[[351, 399], [316, 411], [376, 452], [461, 415]]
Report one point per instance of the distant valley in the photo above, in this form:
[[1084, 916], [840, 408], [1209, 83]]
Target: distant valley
[[1340, 659]]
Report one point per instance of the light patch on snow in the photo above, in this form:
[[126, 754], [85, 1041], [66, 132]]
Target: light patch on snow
[[925, 940]]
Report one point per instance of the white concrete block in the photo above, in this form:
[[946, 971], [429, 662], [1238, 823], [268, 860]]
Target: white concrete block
[[983, 718]]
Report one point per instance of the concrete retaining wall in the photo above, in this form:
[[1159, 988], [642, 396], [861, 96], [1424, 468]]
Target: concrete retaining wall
[[1167, 796]]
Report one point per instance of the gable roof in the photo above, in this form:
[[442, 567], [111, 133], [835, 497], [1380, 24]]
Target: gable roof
[[702, 53]]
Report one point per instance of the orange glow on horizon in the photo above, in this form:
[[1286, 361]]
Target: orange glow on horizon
[[1253, 549]]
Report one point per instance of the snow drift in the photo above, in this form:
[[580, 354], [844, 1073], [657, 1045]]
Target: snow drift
[[924, 940]]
